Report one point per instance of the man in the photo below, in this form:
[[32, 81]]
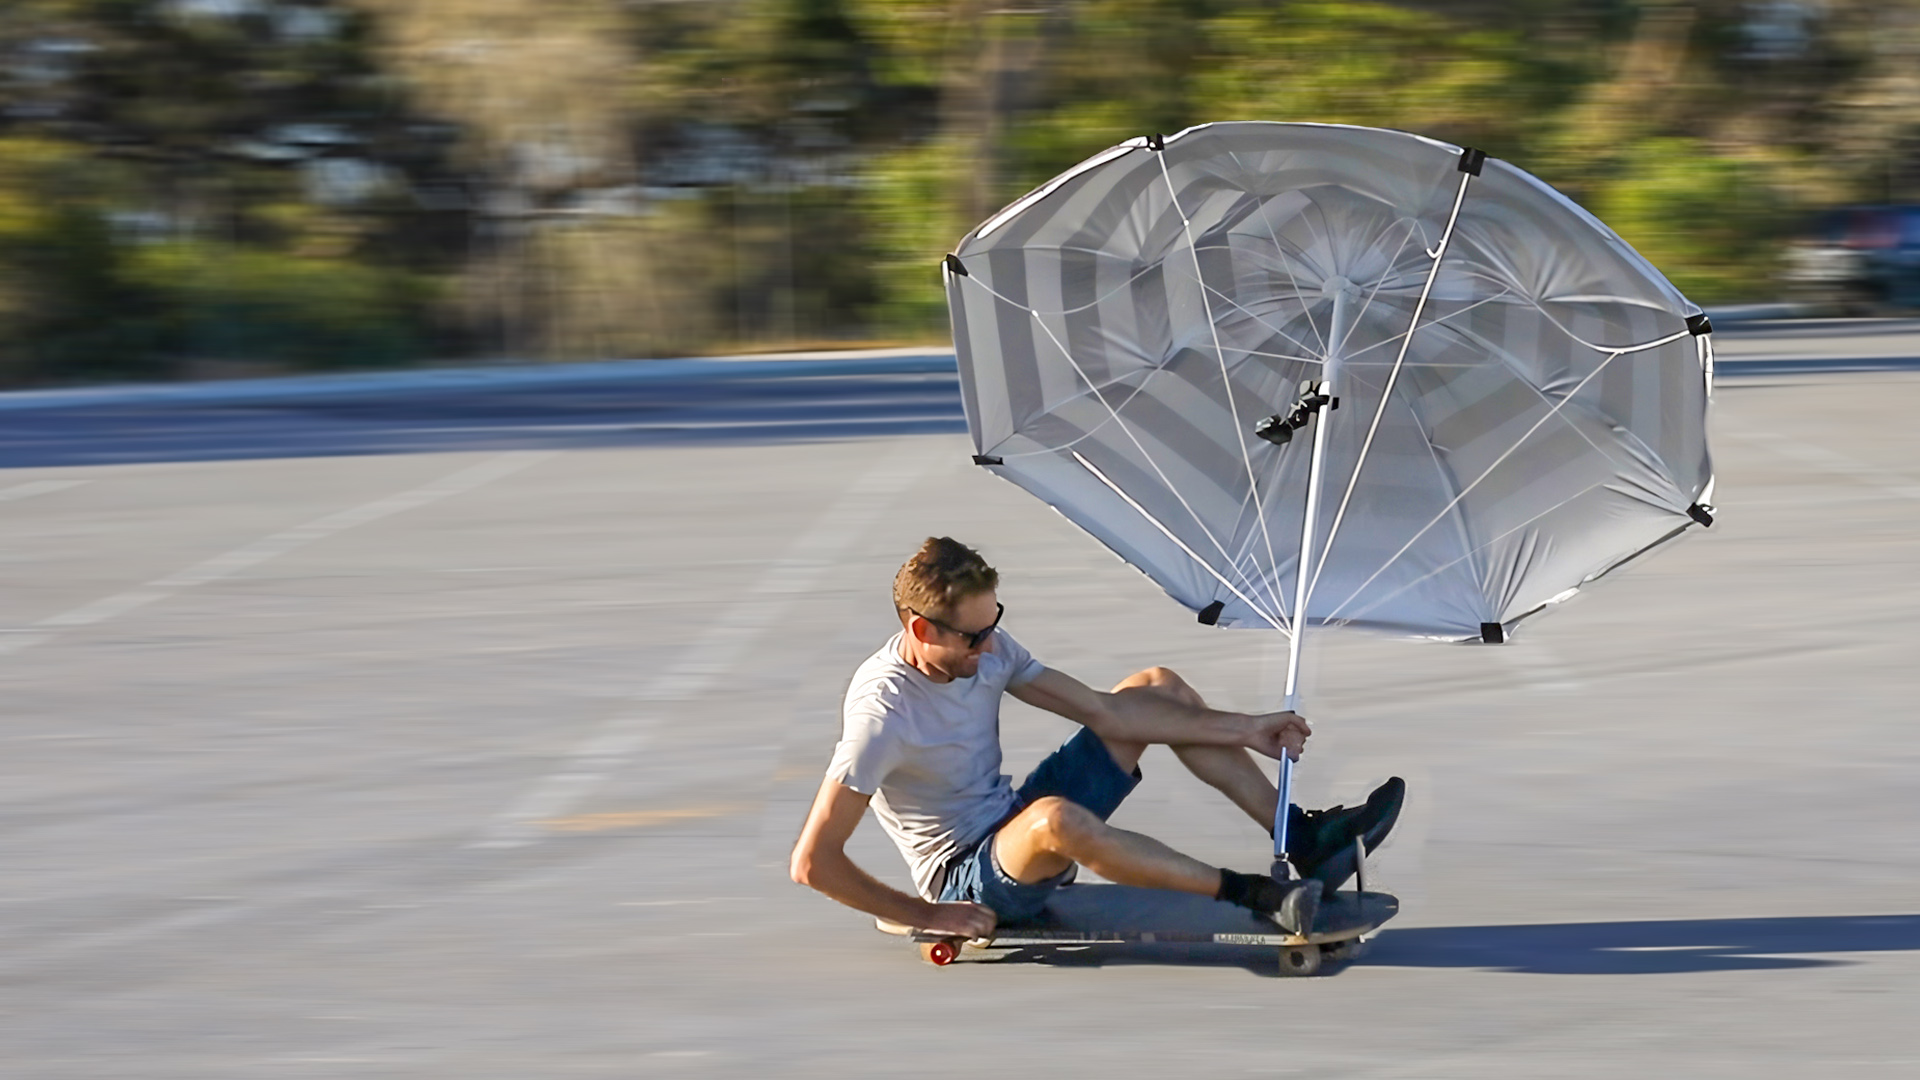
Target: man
[[922, 742]]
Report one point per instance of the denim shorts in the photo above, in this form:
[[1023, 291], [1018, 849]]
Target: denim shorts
[[1082, 772]]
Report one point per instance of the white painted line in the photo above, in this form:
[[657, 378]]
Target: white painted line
[[1539, 668], [37, 487], [232, 562], [725, 642], [1819, 457], [102, 610]]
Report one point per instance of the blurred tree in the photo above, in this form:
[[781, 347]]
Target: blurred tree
[[219, 130], [289, 179]]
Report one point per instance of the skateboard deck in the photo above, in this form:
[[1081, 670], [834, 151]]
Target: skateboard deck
[[1090, 914]]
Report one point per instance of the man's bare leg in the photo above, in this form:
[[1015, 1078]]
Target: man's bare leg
[[1231, 770], [1053, 834]]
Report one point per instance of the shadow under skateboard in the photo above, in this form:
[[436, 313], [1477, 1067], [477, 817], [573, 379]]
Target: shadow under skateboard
[[1109, 914]]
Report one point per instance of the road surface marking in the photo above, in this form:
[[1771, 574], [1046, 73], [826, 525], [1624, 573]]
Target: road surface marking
[[726, 641], [1819, 457], [37, 487], [638, 819], [1539, 669], [250, 555]]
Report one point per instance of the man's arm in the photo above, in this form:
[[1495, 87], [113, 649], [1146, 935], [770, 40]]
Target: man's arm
[[1158, 718], [820, 862]]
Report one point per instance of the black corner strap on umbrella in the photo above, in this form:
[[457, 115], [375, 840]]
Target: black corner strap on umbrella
[[1698, 325], [1156, 142], [1210, 615], [954, 266], [1701, 514], [987, 459], [1471, 160], [1492, 633]]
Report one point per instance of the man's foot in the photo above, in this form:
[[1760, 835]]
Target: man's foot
[[1320, 842], [1292, 904]]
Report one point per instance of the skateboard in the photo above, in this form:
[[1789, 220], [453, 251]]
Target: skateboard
[[1103, 914]]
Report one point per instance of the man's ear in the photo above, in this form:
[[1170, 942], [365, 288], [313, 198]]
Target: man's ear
[[920, 629]]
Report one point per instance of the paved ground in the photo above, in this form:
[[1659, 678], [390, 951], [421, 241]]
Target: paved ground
[[484, 762]]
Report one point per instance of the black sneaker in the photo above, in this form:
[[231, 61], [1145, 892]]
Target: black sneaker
[[1320, 842]]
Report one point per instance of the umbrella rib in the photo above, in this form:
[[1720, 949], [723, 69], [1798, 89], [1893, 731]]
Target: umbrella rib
[[1436, 571], [1092, 387], [1226, 388], [1095, 302], [1615, 349], [1542, 395], [1305, 308], [1469, 488], [1131, 437], [1168, 533], [1100, 388], [1441, 321], [1255, 316], [1377, 286], [1393, 376], [1011, 302]]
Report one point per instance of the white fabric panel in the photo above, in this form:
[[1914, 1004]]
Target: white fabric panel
[[1547, 423]]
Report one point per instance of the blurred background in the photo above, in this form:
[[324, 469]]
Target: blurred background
[[203, 188], [459, 723]]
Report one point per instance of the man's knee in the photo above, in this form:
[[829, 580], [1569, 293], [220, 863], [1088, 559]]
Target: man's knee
[[1061, 825], [1162, 680]]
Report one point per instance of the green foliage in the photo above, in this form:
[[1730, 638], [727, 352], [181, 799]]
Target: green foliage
[[65, 302], [155, 206], [907, 201], [1711, 223], [265, 307], [665, 178], [1379, 65], [80, 298]]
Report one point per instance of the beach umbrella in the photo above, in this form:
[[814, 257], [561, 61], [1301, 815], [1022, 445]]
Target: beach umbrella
[[1309, 375]]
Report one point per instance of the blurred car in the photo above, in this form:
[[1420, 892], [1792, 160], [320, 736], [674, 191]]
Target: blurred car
[[1859, 259]]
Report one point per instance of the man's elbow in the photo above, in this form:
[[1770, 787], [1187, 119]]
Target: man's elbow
[[808, 865], [800, 867]]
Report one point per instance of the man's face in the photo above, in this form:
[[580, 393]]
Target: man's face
[[946, 647]]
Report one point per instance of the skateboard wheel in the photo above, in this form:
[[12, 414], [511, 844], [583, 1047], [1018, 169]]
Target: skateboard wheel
[[1300, 960], [940, 953]]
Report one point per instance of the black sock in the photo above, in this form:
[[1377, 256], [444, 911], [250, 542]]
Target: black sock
[[1253, 891], [1233, 887]]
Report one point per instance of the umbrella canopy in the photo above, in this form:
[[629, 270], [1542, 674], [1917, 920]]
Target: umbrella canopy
[[1520, 397]]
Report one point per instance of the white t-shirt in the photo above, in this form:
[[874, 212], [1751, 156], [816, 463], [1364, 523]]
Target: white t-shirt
[[929, 753]]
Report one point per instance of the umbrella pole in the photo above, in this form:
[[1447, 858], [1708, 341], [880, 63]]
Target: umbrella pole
[[1281, 870]]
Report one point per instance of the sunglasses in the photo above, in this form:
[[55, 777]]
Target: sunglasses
[[974, 637]]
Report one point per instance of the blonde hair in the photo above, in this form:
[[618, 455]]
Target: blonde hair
[[939, 576]]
